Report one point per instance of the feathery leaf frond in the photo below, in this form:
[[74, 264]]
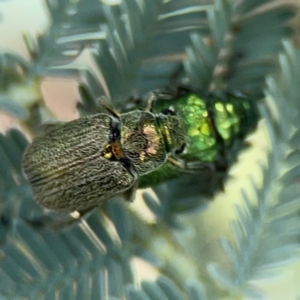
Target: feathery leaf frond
[[267, 231], [84, 260], [137, 46], [229, 57]]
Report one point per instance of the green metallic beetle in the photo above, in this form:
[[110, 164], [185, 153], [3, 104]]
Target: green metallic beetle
[[80, 164], [216, 125]]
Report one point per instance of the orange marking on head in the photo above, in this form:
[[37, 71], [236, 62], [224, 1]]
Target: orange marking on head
[[117, 150]]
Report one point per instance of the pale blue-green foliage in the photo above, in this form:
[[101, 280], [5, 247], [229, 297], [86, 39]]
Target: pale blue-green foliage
[[138, 46], [13, 67], [131, 57], [249, 45], [87, 259], [164, 289], [266, 235]]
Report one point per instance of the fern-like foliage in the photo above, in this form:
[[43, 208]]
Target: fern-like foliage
[[241, 51], [137, 46], [89, 260], [139, 37]]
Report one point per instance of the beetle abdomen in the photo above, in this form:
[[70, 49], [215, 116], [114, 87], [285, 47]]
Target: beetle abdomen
[[67, 168]]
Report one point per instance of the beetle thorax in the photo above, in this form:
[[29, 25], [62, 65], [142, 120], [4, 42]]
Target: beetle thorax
[[142, 141]]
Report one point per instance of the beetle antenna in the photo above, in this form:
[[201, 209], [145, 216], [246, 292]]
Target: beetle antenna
[[110, 109]]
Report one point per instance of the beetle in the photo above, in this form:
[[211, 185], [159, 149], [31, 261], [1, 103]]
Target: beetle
[[78, 165], [216, 125]]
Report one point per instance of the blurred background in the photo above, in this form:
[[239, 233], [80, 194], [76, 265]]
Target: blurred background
[[58, 57]]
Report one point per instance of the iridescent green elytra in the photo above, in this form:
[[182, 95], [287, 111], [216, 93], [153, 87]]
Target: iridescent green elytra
[[215, 125], [80, 164]]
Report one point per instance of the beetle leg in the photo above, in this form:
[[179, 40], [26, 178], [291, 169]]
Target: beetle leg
[[85, 211], [154, 95], [193, 167], [129, 194], [51, 224], [60, 223], [73, 218], [176, 162], [151, 97]]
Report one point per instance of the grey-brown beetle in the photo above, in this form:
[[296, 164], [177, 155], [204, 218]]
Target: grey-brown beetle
[[78, 165]]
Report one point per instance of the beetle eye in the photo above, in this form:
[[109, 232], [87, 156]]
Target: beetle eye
[[115, 132], [181, 149], [168, 111], [116, 135]]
